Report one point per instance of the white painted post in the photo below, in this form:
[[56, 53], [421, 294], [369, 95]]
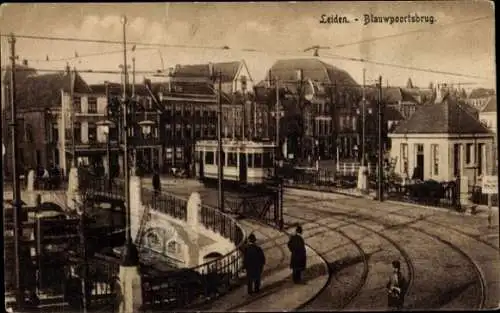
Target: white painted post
[[136, 206]]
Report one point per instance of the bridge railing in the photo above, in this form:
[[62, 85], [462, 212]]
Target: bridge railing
[[193, 286], [185, 287]]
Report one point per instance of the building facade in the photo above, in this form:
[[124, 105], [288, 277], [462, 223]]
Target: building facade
[[440, 142]]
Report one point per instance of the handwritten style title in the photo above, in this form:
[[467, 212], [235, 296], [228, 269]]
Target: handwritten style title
[[410, 18]]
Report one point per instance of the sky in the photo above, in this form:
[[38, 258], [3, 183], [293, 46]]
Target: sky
[[280, 30]]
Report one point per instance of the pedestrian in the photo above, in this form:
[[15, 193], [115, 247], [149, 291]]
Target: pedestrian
[[156, 183], [253, 262], [297, 247], [396, 287]]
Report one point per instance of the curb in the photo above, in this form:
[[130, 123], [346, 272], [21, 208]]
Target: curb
[[325, 263]]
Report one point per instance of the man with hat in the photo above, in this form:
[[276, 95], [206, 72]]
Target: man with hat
[[297, 247], [253, 262]]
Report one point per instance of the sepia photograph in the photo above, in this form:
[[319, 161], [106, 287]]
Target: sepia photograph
[[249, 156]]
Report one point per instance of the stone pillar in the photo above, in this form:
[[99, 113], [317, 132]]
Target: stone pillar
[[464, 190], [362, 178], [131, 289], [73, 196], [31, 181], [136, 206], [193, 222]]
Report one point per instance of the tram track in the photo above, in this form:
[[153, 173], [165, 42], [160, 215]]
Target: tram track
[[479, 280], [365, 257]]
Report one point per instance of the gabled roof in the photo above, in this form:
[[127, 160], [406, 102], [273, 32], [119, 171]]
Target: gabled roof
[[447, 117], [45, 90], [491, 105], [229, 70], [312, 69]]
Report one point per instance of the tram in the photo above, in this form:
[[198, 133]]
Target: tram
[[245, 162]]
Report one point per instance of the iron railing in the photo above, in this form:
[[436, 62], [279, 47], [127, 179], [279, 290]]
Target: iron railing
[[185, 287], [193, 286]]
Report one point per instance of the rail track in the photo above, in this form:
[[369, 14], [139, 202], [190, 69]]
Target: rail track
[[479, 281], [365, 259]]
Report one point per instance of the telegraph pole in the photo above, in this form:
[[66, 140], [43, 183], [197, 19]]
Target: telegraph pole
[[220, 154], [130, 254], [277, 117], [18, 231], [364, 121], [380, 142]]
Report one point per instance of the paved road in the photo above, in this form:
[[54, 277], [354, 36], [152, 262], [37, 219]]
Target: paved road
[[450, 260]]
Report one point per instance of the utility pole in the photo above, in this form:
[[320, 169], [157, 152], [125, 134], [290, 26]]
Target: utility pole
[[133, 77], [364, 121], [277, 117], [380, 142], [17, 205], [220, 155], [130, 254], [72, 108]]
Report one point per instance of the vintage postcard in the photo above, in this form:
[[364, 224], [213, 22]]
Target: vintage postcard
[[249, 156]]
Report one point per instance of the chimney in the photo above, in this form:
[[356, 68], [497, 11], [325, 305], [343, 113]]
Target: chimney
[[25, 62]]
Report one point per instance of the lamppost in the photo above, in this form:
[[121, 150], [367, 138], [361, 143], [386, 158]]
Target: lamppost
[[130, 255]]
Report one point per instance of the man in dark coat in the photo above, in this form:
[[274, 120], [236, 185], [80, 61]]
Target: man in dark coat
[[253, 262], [297, 247], [156, 183]]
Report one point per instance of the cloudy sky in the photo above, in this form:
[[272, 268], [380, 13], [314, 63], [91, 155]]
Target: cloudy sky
[[277, 30]]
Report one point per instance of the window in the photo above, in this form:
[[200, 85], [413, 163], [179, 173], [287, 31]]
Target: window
[[55, 133], [209, 157], [480, 159], [456, 159], [77, 104], [29, 133], [249, 160], [404, 157], [232, 159], [468, 153], [257, 161], [92, 132], [92, 101], [435, 159], [77, 132]]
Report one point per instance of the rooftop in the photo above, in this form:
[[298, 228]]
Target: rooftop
[[447, 117]]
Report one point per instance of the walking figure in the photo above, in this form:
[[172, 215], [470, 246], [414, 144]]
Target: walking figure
[[156, 183], [253, 262], [396, 287], [297, 247]]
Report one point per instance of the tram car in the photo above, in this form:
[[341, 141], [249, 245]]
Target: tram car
[[245, 162]]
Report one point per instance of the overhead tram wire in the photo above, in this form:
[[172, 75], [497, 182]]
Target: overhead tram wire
[[186, 80], [85, 56], [333, 56]]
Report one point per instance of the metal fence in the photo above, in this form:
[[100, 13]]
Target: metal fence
[[433, 193]]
